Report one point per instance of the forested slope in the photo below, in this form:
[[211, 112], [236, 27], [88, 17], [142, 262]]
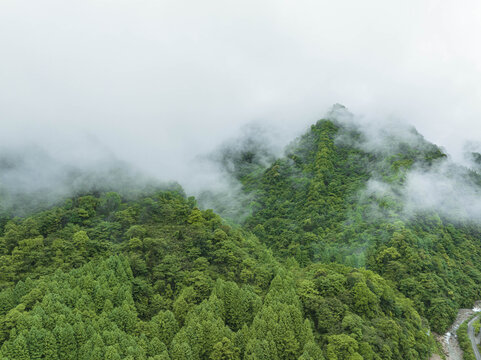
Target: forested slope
[[103, 277], [329, 260], [316, 204]]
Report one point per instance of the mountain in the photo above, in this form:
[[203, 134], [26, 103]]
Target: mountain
[[336, 256], [335, 197]]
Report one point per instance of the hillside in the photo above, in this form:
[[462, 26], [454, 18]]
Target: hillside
[[335, 197], [333, 260]]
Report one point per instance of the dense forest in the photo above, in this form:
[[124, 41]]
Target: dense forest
[[319, 268]]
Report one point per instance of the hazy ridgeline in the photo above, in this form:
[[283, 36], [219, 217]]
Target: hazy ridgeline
[[35, 176], [32, 179]]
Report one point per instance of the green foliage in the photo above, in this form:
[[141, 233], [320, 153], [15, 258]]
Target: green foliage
[[351, 310], [477, 326], [464, 342], [312, 273], [178, 283], [301, 200], [312, 205]]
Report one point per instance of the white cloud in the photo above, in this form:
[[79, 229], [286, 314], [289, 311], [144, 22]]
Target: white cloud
[[446, 189]]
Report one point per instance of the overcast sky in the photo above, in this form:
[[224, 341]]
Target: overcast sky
[[155, 82]]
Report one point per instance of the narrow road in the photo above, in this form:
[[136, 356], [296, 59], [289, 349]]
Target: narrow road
[[449, 341], [473, 338]]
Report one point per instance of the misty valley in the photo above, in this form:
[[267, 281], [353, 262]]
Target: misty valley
[[354, 243]]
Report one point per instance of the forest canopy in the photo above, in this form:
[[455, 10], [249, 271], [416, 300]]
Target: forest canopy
[[320, 268]]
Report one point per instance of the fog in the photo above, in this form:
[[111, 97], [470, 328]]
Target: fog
[[448, 185], [159, 85], [445, 189]]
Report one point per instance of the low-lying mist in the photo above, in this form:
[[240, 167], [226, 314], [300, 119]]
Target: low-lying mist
[[32, 179], [34, 176], [444, 186]]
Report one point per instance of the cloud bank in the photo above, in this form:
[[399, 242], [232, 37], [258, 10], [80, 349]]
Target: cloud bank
[[156, 83]]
